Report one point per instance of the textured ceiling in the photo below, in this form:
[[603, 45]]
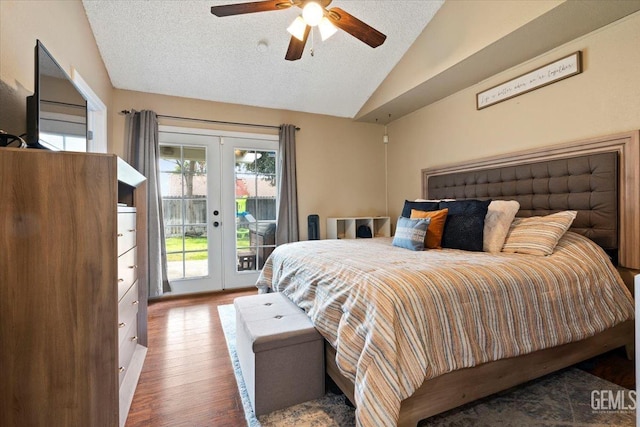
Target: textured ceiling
[[179, 48]]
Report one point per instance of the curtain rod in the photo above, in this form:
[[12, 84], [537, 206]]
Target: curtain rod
[[191, 119]]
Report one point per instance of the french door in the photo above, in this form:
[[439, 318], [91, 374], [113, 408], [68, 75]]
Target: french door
[[219, 197]]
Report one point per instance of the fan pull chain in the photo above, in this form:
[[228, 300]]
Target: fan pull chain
[[312, 44]]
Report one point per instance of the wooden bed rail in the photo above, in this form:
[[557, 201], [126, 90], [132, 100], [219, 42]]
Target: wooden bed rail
[[456, 388]]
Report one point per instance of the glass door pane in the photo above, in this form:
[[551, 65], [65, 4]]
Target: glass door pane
[[183, 172], [220, 204], [256, 195], [250, 188], [190, 189]]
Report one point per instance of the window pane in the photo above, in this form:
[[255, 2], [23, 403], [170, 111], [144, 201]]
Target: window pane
[[196, 264], [175, 266], [173, 239], [172, 211], [184, 205], [246, 260], [195, 238], [195, 185], [170, 157], [195, 160], [196, 211], [268, 162], [256, 184], [242, 234], [171, 184]]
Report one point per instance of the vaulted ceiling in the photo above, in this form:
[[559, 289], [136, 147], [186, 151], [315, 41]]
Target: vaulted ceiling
[[179, 48]]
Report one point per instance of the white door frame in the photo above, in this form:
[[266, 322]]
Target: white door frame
[[234, 279], [225, 234], [96, 115], [213, 280]]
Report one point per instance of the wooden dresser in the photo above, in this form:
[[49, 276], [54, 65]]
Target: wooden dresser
[[72, 290]]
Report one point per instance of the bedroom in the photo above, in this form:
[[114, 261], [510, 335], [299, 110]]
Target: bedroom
[[603, 100]]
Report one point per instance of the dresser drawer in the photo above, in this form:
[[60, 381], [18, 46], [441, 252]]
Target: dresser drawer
[[126, 349], [127, 311], [127, 271], [126, 231]]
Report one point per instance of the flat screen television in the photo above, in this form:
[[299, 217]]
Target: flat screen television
[[57, 111]]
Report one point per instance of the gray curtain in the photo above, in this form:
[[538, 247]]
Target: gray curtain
[[287, 227], [143, 152]]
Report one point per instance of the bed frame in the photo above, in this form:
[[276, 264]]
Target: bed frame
[[495, 178]]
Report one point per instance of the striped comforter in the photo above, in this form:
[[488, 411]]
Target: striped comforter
[[397, 317]]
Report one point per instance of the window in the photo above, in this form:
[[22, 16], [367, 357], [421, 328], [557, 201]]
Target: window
[[256, 206], [183, 181]]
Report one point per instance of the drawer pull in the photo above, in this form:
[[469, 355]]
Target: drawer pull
[[136, 302], [121, 369], [134, 339], [133, 230], [133, 266], [121, 325], [120, 280], [120, 234]]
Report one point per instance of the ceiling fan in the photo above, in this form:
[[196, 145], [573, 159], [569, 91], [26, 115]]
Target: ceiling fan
[[314, 13]]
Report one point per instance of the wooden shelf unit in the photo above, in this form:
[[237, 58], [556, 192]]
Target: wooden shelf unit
[[346, 227], [59, 275]]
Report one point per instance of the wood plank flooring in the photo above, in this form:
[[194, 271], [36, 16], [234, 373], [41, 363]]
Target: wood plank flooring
[[188, 380]]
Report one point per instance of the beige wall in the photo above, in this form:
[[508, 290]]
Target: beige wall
[[459, 29], [63, 28], [604, 99], [340, 163]]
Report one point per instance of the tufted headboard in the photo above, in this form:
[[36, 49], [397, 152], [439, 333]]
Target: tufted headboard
[[599, 178], [587, 184]]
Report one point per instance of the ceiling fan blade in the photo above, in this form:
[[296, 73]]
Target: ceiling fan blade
[[256, 6], [355, 27], [294, 52]]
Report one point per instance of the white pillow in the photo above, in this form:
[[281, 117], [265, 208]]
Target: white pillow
[[499, 217]]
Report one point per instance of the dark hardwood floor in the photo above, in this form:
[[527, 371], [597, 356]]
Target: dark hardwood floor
[[188, 380]]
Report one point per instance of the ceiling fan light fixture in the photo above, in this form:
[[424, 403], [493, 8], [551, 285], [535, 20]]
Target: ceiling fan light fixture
[[327, 29], [312, 13], [297, 28]]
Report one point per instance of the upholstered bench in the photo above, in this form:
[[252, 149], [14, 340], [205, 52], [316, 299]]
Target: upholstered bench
[[280, 352]]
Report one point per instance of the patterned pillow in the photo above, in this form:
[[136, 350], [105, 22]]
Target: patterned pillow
[[464, 228], [499, 217], [436, 227], [538, 235], [410, 233]]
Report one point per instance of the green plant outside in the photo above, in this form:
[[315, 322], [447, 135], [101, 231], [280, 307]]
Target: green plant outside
[[174, 246]]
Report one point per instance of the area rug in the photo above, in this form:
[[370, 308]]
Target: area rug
[[570, 397]]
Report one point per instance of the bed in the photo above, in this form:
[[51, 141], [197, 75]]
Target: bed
[[482, 326]]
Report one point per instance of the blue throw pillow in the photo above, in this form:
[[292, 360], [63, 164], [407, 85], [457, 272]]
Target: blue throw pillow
[[464, 228], [419, 206], [410, 233]]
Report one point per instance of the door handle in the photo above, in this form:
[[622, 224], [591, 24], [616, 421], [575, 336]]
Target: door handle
[[216, 224]]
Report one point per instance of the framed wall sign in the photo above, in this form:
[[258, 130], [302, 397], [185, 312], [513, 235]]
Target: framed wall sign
[[543, 76]]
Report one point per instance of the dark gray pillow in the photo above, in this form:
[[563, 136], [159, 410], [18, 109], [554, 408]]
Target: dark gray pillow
[[419, 206], [464, 228]]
